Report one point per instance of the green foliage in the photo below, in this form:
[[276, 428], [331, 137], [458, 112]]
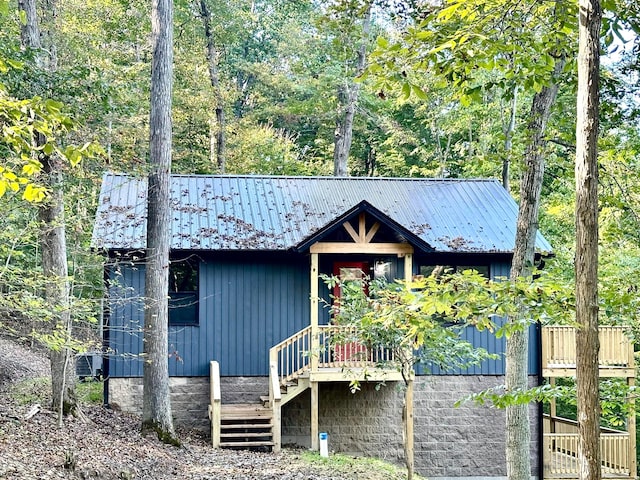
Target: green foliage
[[31, 391], [90, 392], [349, 465]]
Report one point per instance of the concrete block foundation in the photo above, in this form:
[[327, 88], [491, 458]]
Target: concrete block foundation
[[462, 443]]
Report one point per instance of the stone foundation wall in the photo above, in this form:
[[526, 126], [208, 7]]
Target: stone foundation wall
[[468, 441], [368, 422], [190, 396], [449, 442]]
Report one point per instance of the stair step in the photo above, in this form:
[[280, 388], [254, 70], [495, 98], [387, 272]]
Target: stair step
[[245, 411], [247, 444], [245, 435], [235, 426], [255, 418]]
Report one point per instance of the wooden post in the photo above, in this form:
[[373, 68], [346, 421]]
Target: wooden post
[[631, 428], [275, 399], [315, 346], [408, 267], [409, 427], [216, 400], [315, 443]]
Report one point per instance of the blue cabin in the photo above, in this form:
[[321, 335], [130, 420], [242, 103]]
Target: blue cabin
[[247, 308]]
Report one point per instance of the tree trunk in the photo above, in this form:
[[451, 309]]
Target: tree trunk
[[30, 29], [53, 245], [156, 415], [518, 430], [57, 292], [347, 100], [508, 130], [212, 59], [586, 259]]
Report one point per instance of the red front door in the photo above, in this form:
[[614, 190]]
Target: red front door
[[348, 271]]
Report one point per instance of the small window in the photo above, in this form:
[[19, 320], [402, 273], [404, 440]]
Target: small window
[[439, 270], [183, 292]]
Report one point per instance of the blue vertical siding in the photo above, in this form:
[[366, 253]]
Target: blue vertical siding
[[245, 307], [251, 307], [247, 304], [126, 320], [492, 344]]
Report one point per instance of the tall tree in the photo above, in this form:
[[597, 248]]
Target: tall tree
[[53, 240], [482, 45], [348, 92], [156, 396], [518, 430], [586, 258], [213, 54]]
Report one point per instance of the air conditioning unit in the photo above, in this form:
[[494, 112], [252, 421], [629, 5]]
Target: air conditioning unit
[[88, 365]]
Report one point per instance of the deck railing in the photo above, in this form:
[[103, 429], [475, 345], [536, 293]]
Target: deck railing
[[337, 346], [341, 347], [561, 447], [559, 347]]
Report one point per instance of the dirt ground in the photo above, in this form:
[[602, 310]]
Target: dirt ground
[[107, 444]]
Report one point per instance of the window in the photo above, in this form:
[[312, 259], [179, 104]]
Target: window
[[438, 270], [183, 292]]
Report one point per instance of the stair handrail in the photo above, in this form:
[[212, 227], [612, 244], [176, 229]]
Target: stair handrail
[[292, 355], [215, 407], [275, 397]]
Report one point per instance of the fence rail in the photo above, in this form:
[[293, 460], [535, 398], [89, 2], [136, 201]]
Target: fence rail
[[559, 347], [561, 449]]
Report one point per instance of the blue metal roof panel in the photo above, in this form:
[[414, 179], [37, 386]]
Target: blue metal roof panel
[[278, 213]]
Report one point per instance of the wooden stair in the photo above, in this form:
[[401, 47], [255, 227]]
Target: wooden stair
[[246, 426], [289, 390]]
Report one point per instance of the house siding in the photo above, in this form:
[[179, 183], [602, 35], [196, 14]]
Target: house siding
[[246, 306]]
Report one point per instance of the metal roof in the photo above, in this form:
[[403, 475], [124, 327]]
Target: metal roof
[[280, 213]]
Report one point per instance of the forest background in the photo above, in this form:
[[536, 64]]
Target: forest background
[[261, 87]]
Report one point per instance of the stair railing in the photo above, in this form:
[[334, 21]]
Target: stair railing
[[215, 407], [292, 356], [275, 399]]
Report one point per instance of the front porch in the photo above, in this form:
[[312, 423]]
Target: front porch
[[297, 364]]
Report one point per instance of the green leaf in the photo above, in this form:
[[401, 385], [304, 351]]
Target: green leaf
[[14, 63], [406, 90], [382, 42], [418, 92], [448, 12]]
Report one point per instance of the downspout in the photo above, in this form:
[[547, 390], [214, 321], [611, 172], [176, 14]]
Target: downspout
[[540, 406], [540, 265], [105, 337]]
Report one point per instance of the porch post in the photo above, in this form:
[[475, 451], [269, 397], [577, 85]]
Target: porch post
[[408, 267], [315, 351], [315, 442], [314, 313], [409, 425], [631, 428]]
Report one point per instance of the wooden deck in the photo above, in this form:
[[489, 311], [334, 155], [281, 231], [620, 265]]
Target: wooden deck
[[560, 435], [616, 357], [561, 450]]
